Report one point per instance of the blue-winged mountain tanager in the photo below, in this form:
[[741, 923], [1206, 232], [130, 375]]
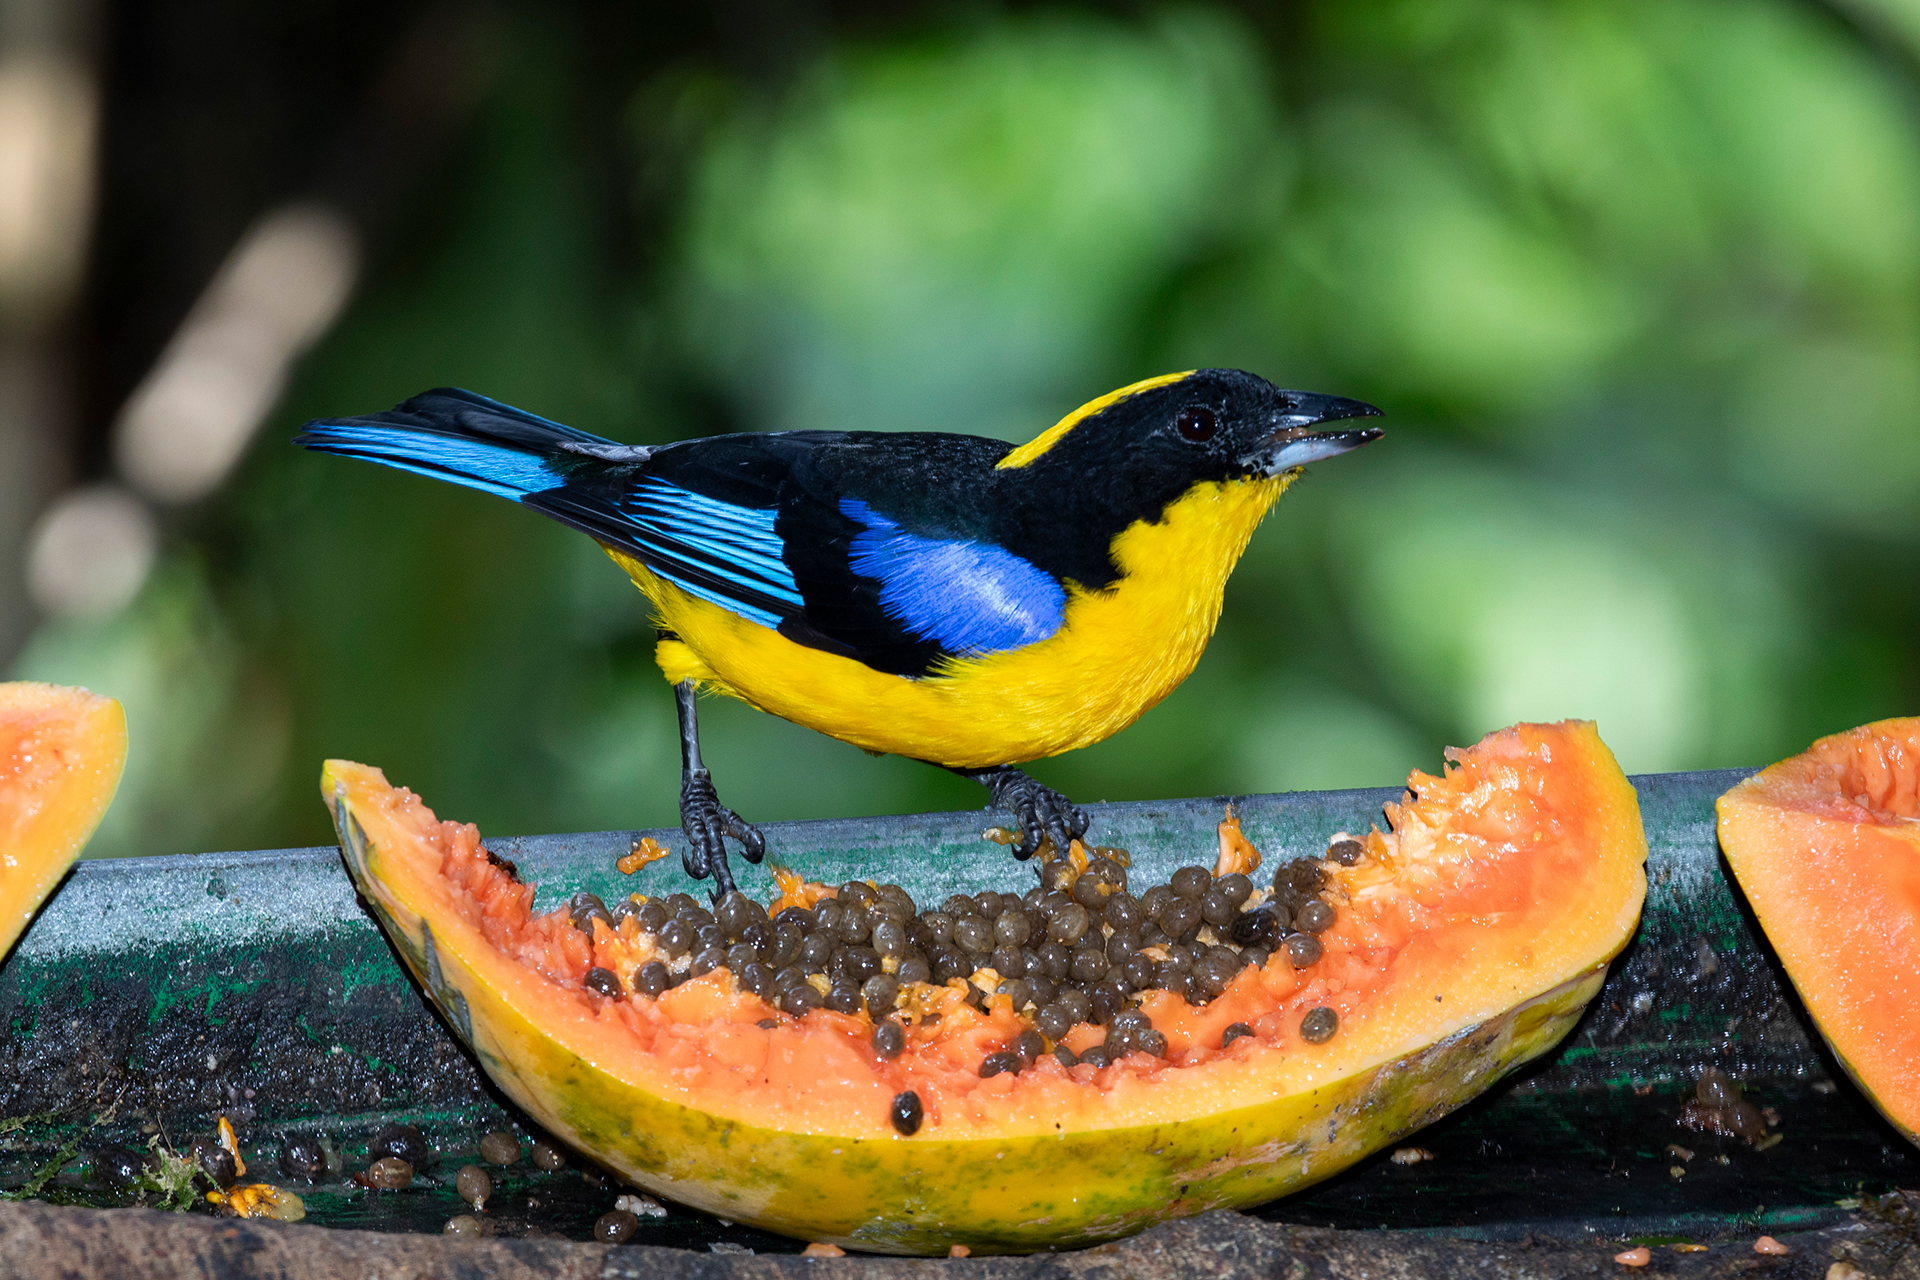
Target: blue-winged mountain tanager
[[949, 598]]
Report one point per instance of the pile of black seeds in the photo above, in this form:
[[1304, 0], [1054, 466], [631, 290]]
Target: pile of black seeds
[[1075, 949]]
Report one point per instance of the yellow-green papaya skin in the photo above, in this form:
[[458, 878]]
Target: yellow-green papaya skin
[[924, 1194]]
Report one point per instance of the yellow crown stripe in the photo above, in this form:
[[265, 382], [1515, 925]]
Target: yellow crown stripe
[[1051, 436]]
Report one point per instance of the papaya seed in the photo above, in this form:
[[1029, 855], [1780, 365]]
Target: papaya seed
[[389, 1173], [1716, 1088], [500, 1148], [906, 1113], [302, 1157], [889, 1038], [1303, 949], [1319, 1025]]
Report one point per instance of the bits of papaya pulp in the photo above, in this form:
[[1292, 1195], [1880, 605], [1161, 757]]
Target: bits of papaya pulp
[[644, 851]]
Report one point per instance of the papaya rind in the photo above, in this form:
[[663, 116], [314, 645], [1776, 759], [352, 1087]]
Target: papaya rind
[[1776, 818], [41, 845], [925, 1194]]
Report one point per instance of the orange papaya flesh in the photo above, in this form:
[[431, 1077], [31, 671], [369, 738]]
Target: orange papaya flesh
[[1826, 847], [61, 753], [1466, 941]]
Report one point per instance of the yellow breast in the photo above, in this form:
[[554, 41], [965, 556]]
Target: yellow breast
[[1118, 652]]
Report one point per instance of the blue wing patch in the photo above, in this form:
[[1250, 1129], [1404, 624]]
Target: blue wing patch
[[970, 598], [702, 545]]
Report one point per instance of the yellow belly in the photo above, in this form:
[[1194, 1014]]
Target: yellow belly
[[1118, 652]]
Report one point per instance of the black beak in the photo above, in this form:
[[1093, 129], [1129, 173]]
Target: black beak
[[1293, 441]]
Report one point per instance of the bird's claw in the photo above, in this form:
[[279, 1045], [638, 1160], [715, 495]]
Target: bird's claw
[[707, 824], [1042, 813]]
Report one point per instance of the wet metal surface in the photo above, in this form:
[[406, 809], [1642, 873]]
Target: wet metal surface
[[166, 992]]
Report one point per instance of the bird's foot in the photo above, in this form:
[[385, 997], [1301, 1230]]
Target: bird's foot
[[707, 824], [1041, 812]]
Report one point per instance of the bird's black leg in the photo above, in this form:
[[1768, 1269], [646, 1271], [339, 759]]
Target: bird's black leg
[[706, 821], [1040, 811]]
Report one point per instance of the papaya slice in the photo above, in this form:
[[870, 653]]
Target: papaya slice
[[1422, 965], [61, 752], [1826, 846]]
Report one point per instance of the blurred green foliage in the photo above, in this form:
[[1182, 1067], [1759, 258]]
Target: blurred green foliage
[[1637, 282]]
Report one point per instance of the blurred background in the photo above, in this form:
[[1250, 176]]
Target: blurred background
[[1637, 282]]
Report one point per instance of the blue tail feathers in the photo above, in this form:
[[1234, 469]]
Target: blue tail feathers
[[456, 435]]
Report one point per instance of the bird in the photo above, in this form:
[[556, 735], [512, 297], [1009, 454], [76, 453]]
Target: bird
[[953, 599]]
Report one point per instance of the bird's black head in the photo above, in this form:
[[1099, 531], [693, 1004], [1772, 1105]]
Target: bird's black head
[[1211, 424], [1127, 456]]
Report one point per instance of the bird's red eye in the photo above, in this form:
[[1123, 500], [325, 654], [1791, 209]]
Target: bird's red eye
[[1195, 423]]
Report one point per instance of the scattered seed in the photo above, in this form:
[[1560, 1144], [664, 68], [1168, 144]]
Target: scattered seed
[[821, 1249], [302, 1156], [1746, 1121], [499, 1147], [1319, 1025], [389, 1173], [463, 1225], [473, 1185], [1411, 1155], [1347, 853], [1768, 1245], [215, 1161], [616, 1227], [906, 1113], [117, 1166], [547, 1156], [1716, 1088], [401, 1141], [961, 1251], [1639, 1257]]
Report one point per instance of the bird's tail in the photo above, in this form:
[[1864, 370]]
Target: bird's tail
[[456, 435]]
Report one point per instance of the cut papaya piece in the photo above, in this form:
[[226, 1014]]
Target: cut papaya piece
[[858, 1071], [1826, 846], [61, 752]]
